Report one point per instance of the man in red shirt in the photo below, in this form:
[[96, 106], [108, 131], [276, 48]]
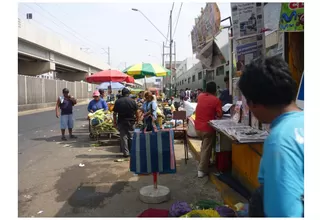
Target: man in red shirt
[[208, 108]]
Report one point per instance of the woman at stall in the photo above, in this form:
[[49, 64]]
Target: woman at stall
[[97, 103], [150, 111]]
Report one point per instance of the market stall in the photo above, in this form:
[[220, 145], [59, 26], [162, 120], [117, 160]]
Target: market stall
[[101, 123], [240, 149]]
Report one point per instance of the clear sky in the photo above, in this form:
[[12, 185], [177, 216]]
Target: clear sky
[[115, 25]]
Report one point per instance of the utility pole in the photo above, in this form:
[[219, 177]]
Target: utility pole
[[109, 56], [108, 53], [175, 67], [163, 54], [170, 55]]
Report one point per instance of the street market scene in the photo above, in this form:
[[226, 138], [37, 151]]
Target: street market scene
[[211, 127]]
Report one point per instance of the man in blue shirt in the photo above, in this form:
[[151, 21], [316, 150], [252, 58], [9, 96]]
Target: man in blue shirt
[[270, 92], [97, 103], [225, 96]]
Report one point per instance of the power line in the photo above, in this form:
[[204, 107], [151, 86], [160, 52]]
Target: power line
[[52, 22], [66, 25], [46, 25], [177, 21]]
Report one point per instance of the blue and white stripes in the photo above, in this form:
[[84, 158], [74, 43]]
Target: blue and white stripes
[[153, 152]]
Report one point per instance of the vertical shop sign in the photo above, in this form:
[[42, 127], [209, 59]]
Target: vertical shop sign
[[292, 17]]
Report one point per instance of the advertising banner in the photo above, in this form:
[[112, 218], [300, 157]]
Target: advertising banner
[[206, 28], [300, 97], [249, 49], [292, 17], [247, 19]]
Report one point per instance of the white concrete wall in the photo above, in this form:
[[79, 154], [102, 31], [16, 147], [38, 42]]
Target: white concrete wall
[[41, 37]]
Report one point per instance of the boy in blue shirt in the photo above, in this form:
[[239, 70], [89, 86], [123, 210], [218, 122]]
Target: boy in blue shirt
[[270, 92]]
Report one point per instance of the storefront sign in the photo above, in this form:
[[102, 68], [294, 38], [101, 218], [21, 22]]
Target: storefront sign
[[300, 96], [206, 28], [247, 19], [292, 17]]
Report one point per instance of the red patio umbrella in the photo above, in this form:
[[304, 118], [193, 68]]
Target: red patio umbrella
[[109, 76]]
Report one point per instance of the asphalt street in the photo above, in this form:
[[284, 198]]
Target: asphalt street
[[74, 179]]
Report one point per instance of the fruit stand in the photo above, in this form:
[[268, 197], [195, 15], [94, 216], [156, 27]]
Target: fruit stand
[[101, 123]]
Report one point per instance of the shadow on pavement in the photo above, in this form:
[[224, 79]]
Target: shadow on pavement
[[116, 194]]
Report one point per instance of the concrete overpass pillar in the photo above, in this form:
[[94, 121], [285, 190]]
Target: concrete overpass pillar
[[35, 68], [72, 76]]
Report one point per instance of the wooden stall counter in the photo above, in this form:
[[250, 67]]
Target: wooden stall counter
[[245, 160]]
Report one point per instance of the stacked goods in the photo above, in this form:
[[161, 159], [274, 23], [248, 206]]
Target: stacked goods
[[101, 122], [110, 106]]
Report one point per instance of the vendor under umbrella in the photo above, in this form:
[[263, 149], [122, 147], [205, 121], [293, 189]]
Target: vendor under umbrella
[[97, 103]]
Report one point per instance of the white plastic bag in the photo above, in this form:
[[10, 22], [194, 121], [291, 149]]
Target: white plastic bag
[[189, 107], [191, 131]]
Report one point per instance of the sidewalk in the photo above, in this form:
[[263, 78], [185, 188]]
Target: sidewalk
[[229, 196]]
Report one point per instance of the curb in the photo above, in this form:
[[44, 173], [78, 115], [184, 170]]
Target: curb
[[29, 112], [229, 196]]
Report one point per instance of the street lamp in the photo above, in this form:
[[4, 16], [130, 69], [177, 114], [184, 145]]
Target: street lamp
[[134, 9]]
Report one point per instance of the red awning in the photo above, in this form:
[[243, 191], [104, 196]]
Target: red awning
[[109, 76]]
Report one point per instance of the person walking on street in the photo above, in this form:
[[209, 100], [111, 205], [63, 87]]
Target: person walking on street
[[66, 103], [270, 92], [124, 117], [182, 95], [208, 108]]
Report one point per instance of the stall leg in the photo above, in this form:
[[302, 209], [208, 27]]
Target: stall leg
[[155, 180]]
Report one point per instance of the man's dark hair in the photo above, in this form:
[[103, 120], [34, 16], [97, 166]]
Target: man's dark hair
[[226, 79], [211, 87], [101, 91], [65, 90], [125, 92], [119, 91], [268, 82]]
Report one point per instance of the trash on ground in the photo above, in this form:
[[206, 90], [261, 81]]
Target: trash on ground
[[81, 165], [27, 196], [40, 212]]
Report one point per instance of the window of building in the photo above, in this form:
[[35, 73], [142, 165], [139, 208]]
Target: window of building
[[220, 71], [227, 73], [189, 80], [193, 78], [200, 76]]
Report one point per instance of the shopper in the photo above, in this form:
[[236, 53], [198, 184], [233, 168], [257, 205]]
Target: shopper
[[208, 108], [124, 117], [182, 95], [66, 103], [150, 111], [119, 94], [225, 96], [270, 93]]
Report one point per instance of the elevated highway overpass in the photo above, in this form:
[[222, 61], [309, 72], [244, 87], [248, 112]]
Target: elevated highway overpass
[[41, 52]]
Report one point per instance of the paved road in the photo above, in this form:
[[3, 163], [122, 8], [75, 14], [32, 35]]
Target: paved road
[[52, 184]]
